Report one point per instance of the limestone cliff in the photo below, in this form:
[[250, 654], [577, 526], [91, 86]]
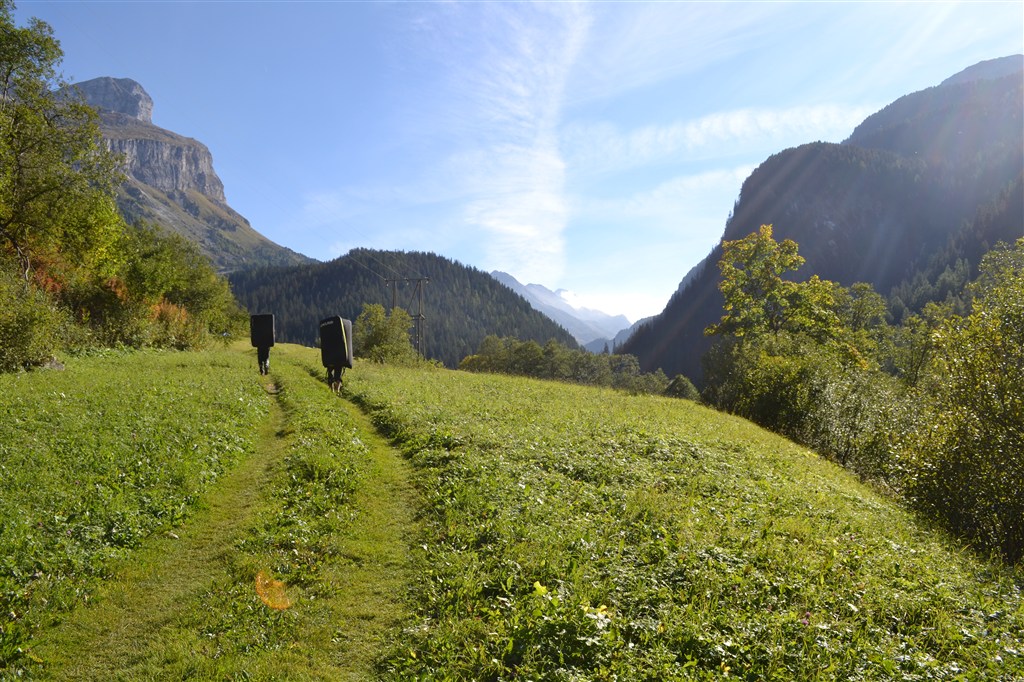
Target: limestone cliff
[[171, 180]]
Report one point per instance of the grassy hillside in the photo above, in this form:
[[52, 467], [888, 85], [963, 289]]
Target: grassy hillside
[[575, 533], [175, 515]]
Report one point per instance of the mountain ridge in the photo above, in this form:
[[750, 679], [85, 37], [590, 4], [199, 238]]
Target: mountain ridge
[[877, 208], [460, 305], [170, 179]]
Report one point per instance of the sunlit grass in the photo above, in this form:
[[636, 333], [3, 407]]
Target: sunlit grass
[[229, 528], [290, 564], [95, 459], [672, 542]]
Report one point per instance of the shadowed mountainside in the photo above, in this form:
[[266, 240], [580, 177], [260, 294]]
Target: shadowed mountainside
[[927, 180]]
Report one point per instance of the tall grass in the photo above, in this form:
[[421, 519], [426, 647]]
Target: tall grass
[[564, 533]]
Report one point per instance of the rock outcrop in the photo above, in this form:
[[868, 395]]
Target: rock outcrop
[[171, 180], [118, 95], [162, 159]]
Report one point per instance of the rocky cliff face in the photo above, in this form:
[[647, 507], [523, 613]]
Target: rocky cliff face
[[171, 180], [120, 95], [152, 155], [168, 162]]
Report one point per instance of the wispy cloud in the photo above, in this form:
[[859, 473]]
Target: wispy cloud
[[672, 204], [492, 88], [634, 45], [508, 82], [597, 147]]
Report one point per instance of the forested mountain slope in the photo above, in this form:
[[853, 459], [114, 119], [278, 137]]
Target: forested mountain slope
[[926, 181], [460, 304]]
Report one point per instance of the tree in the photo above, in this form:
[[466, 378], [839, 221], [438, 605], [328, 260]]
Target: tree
[[757, 298], [57, 179], [909, 347], [682, 387], [860, 308], [383, 338], [973, 457]]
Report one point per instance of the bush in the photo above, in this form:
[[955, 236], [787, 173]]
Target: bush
[[857, 417], [384, 338], [971, 459], [767, 380], [815, 395], [31, 325], [682, 387]]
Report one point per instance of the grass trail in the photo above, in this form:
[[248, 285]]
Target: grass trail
[[324, 506], [375, 557], [132, 610]]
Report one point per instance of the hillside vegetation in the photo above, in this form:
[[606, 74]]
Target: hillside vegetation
[[460, 305], [565, 532], [74, 274], [579, 533]]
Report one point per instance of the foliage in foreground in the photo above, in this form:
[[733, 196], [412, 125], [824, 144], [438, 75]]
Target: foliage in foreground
[[72, 273], [967, 460], [95, 459], [581, 534], [934, 408]]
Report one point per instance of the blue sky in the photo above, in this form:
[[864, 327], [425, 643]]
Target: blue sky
[[596, 147]]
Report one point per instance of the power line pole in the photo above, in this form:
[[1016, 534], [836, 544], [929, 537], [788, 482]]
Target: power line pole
[[393, 285], [419, 319]]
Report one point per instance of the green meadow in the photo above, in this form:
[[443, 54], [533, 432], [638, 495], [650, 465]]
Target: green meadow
[[171, 515]]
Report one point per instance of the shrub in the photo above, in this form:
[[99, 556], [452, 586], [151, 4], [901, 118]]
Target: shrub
[[816, 395], [384, 338], [682, 387], [31, 325], [971, 459]]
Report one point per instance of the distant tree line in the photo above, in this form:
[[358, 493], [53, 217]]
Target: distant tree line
[[73, 274], [932, 407], [557, 362]]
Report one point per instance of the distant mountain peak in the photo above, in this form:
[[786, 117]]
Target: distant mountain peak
[[119, 95], [170, 180], [921, 184], [562, 306]]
